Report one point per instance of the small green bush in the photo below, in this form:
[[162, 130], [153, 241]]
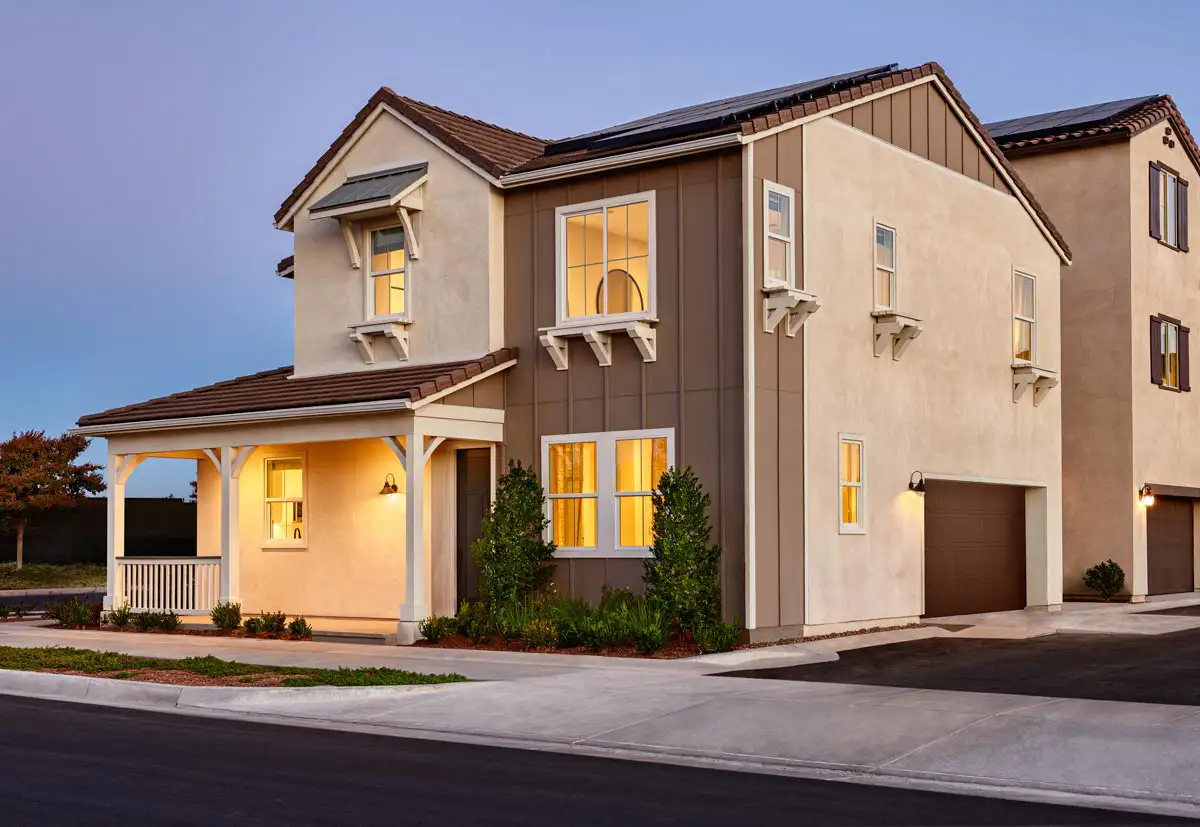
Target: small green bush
[[168, 621], [4, 611], [602, 632], [512, 618], [617, 599], [299, 628], [274, 623], [252, 626], [683, 572], [436, 628], [540, 633], [146, 621], [649, 627], [20, 610], [1106, 578], [71, 613], [120, 617], [475, 622], [716, 636], [227, 616], [569, 615]]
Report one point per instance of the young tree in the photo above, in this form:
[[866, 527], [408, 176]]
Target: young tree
[[683, 572], [38, 472], [512, 552]]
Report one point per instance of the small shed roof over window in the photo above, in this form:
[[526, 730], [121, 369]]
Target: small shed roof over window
[[370, 191]]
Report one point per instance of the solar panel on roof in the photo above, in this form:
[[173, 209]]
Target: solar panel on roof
[[708, 115], [1063, 119]]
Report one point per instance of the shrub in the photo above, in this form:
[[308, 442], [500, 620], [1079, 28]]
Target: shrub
[[602, 632], [70, 613], [168, 621], [569, 615], [617, 599], [716, 636], [252, 626], [512, 553], [120, 617], [474, 621], [146, 621], [649, 627], [540, 633], [274, 623], [299, 628], [20, 610], [1106, 578], [512, 618], [4, 611], [227, 616], [435, 628], [683, 572]]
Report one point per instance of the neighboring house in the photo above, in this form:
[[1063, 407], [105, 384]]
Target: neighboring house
[[738, 287], [1115, 176]]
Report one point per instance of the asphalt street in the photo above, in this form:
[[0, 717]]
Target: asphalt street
[[76, 764]]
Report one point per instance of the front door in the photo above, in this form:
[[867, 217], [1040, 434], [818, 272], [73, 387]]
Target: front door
[[474, 493]]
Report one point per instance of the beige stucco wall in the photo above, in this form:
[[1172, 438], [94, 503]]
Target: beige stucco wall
[[1087, 191], [946, 407], [1163, 281], [455, 286]]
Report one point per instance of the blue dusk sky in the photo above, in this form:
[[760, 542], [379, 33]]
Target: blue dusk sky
[[146, 145]]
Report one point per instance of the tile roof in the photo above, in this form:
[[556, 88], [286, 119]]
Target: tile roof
[[286, 267], [493, 148], [276, 390], [1123, 123]]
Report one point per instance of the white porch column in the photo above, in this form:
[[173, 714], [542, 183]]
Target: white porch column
[[120, 467], [417, 576], [230, 463]]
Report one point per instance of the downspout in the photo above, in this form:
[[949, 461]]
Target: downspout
[[748, 379]]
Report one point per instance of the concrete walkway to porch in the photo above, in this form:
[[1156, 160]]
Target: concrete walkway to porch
[[1094, 618]]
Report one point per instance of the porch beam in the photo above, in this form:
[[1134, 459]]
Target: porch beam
[[433, 446]]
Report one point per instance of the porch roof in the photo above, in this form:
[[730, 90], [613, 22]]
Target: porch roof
[[277, 390]]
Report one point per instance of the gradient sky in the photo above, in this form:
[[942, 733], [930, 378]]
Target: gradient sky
[[145, 146]]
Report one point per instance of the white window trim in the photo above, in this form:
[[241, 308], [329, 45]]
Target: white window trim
[[890, 308], [370, 275], [1033, 325], [267, 542], [768, 188], [1164, 340], [861, 526], [561, 214], [1168, 207], [607, 513]]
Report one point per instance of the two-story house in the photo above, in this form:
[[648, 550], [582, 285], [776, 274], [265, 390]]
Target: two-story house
[[835, 300], [1115, 178]]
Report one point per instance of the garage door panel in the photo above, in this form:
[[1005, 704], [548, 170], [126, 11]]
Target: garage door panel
[[974, 548], [1169, 550]]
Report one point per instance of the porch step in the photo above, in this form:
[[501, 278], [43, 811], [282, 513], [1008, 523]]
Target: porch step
[[369, 638]]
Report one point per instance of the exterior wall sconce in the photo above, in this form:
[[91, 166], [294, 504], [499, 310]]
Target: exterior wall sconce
[[916, 482], [1146, 494], [389, 486]]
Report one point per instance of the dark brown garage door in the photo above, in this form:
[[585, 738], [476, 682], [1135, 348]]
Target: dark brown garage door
[[1169, 545], [974, 548]]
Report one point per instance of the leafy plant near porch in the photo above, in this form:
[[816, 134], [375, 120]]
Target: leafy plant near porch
[[512, 553], [120, 617], [37, 473], [226, 616], [73, 613], [683, 572], [1106, 578]]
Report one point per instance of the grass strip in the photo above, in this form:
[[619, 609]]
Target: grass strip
[[115, 664], [50, 576]]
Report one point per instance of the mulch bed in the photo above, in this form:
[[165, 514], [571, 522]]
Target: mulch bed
[[180, 677], [195, 632]]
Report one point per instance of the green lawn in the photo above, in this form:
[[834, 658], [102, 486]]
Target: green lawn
[[223, 672], [48, 576]]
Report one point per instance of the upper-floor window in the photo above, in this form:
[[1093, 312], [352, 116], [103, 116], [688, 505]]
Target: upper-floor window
[[1169, 354], [388, 280], [779, 232], [885, 268], [606, 254], [1168, 207], [1024, 318]]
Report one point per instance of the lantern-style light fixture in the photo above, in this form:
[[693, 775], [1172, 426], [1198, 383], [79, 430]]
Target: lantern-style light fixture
[[916, 482], [389, 486], [1146, 495]]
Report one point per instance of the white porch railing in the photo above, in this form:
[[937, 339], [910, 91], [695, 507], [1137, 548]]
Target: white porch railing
[[184, 585]]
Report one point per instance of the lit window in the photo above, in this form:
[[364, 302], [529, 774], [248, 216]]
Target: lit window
[[885, 268], [1024, 318], [853, 518], [640, 464], [1169, 347], [779, 234], [285, 500], [387, 272], [607, 258], [573, 494], [600, 490]]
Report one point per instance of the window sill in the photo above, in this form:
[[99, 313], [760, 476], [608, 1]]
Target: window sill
[[852, 530], [1026, 375], [394, 330], [898, 328], [596, 554], [1167, 387], [598, 334], [782, 301], [1170, 246], [279, 545]]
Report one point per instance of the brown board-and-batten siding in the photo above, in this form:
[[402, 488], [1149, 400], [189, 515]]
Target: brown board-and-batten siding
[[696, 383], [779, 412], [921, 121]]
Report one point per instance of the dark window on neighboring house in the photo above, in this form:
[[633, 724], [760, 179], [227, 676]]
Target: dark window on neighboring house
[[1170, 364], [1168, 207]]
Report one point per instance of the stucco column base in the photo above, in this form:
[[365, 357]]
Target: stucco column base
[[1053, 607], [107, 603], [1137, 598], [407, 632]]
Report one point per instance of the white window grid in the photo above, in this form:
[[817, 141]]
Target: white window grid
[[373, 274], [859, 527], [772, 188], [1031, 318], [891, 271]]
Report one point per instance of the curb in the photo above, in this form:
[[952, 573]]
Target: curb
[[88, 590]]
